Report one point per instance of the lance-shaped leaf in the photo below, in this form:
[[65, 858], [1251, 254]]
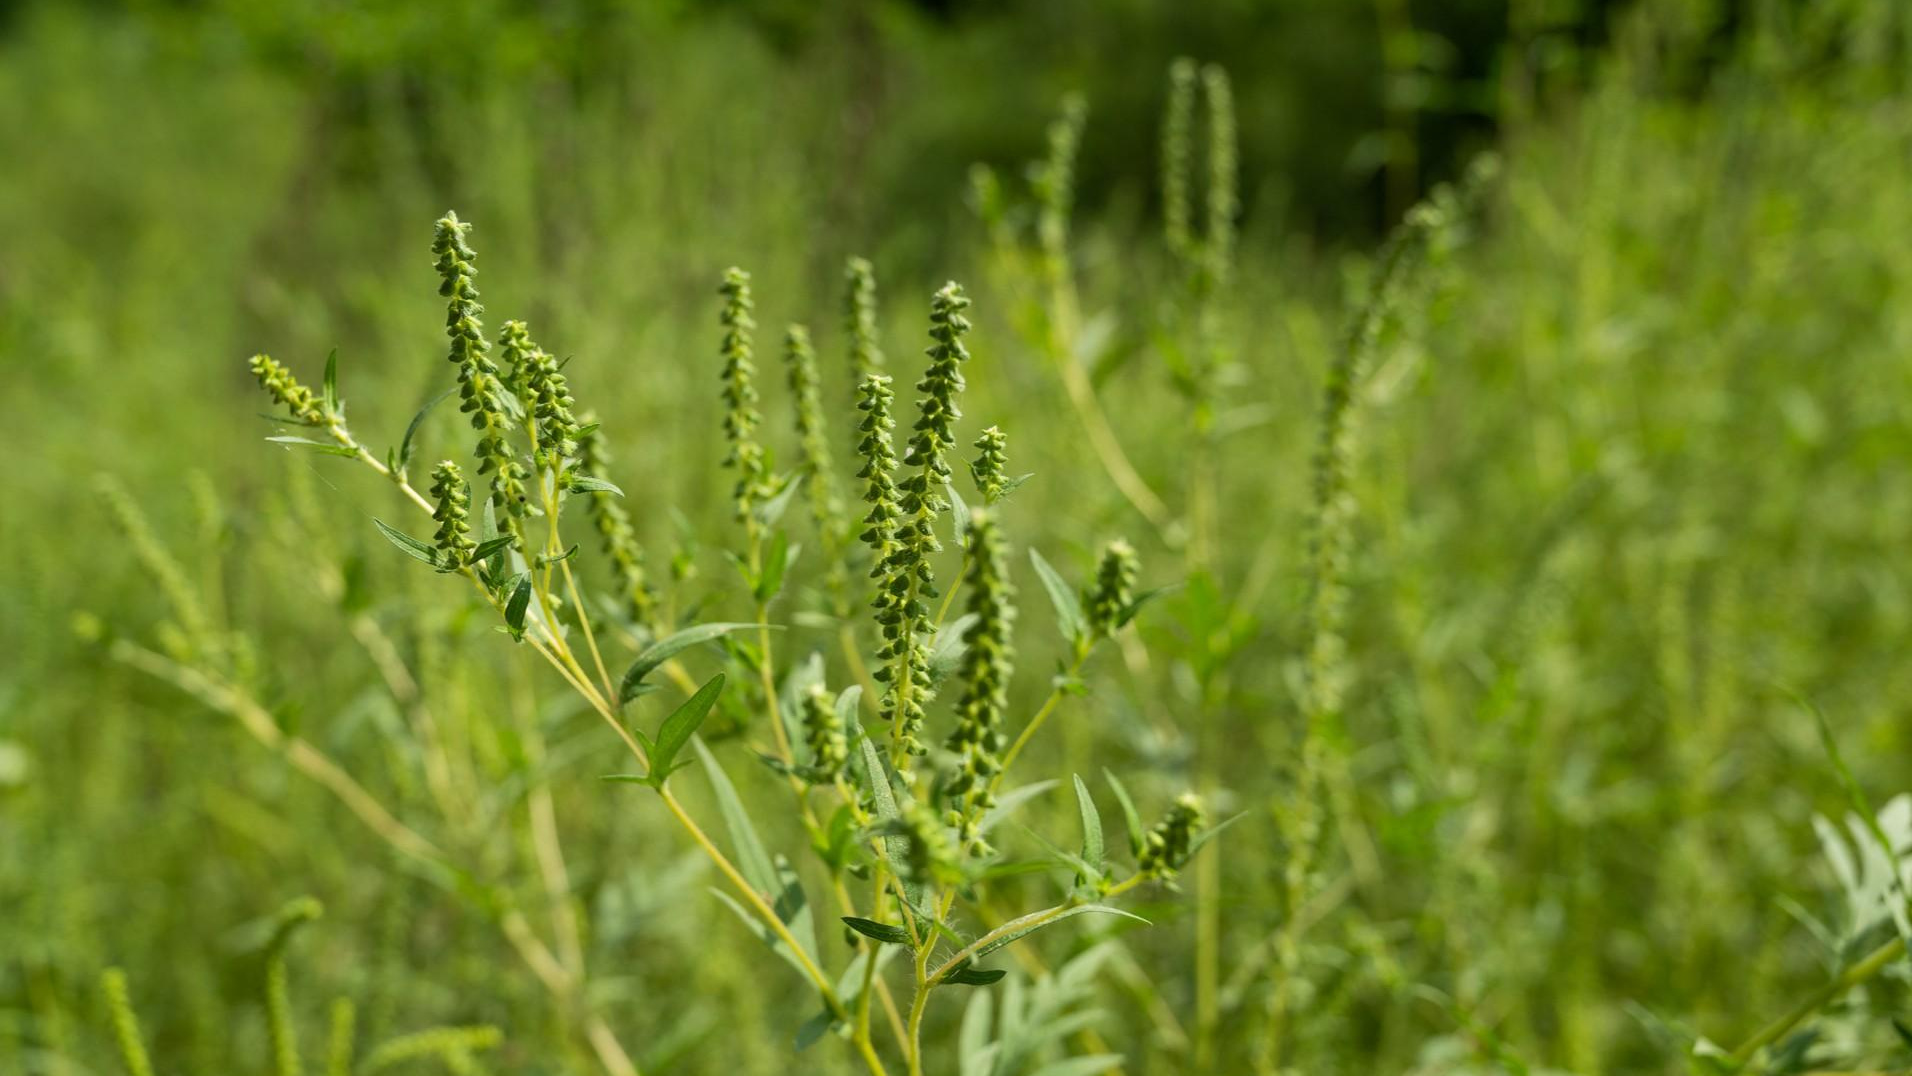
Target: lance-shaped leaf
[[667, 648], [1092, 851], [518, 605], [584, 483], [329, 387], [887, 933], [1061, 595], [1032, 923], [968, 976], [1129, 814], [408, 446], [679, 727], [751, 857], [410, 545]]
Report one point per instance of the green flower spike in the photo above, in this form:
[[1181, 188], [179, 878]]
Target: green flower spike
[[829, 748], [932, 856], [1224, 203], [286, 390], [1176, 153], [453, 513], [988, 662], [479, 383], [903, 612], [1166, 848], [989, 468], [866, 351], [741, 419], [1114, 591], [615, 533]]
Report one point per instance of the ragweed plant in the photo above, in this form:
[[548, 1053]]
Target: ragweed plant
[[901, 837]]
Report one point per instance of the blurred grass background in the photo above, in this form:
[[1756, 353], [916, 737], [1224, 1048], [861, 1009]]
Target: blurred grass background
[[1637, 465]]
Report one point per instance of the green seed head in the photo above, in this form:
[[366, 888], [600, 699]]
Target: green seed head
[[548, 396], [479, 383], [908, 581], [1108, 600], [615, 533], [741, 419], [866, 350], [988, 662], [874, 447], [990, 467], [1166, 848], [941, 385], [932, 854], [829, 749], [453, 513], [1224, 203], [286, 390], [1177, 120], [801, 362], [986, 199], [515, 342], [1055, 182]]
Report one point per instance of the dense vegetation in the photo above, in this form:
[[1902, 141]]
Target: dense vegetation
[[1522, 591]]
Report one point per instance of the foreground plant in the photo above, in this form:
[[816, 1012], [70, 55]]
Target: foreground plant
[[902, 837]]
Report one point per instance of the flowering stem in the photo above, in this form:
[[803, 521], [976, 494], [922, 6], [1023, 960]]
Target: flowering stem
[[1048, 705]]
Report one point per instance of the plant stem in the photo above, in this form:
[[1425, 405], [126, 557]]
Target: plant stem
[[1874, 963], [1029, 731], [756, 900]]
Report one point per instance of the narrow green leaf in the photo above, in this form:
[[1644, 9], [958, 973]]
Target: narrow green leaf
[[763, 932], [583, 483], [958, 514], [326, 448], [667, 648], [410, 545], [1133, 819], [329, 387], [883, 932], [769, 581], [680, 725], [846, 705], [751, 857], [974, 977], [489, 546], [1092, 852], [896, 848], [1012, 485], [409, 446], [545, 560], [1142, 599], [812, 1030], [1023, 932], [518, 605], [947, 646], [1214, 831], [1061, 595], [793, 907]]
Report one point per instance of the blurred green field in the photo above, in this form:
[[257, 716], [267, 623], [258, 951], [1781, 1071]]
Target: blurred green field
[[1630, 496]]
